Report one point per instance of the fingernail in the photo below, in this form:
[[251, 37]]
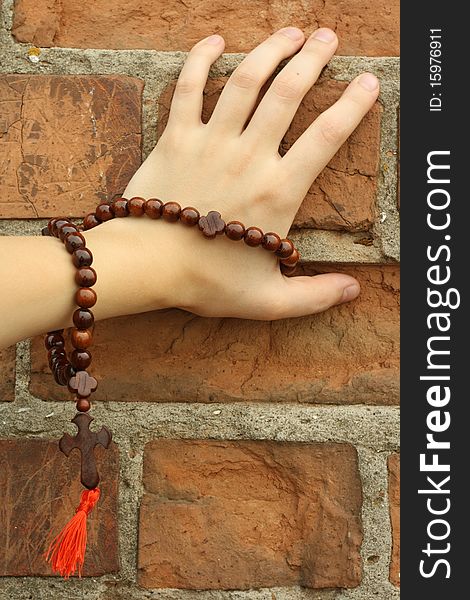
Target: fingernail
[[324, 35], [369, 82], [292, 32], [214, 40], [350, 292]]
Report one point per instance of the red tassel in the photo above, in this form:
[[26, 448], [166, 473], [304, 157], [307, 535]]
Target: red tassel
[[67, 551]]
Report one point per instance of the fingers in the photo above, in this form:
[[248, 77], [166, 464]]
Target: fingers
[[274, 115], [241, 91], [307, 295], [320, 142], [186, 105]]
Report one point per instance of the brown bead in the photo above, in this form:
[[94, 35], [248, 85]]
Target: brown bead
[[85, 297], [235, 230], [61, 375], [85, 277], [54, 340], [287, 270], [285, 249], [57, 352], [253, 236], [80, 359], [63, 231], [70, 370], [271, 241], [153, 208], [171, 211], [189, 216], [103, 212], [82, 257], [74, 241], [136, 206], [83, 384], [83, 318], [119, 207], [58, 223], [83, 405], [45, 231], [51, 223], [291, 260], [90, 221], [81, 338], [211, 224]]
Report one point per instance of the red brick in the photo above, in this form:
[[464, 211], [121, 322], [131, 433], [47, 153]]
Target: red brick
[[172, 25], [68, 142], [343, 195], [7, 374], [394, 499], [39, 491], [238, 515], [347, 355]]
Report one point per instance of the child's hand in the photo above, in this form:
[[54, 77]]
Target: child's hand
[[232, 165]]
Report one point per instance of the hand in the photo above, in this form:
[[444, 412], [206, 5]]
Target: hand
[[232, 165]]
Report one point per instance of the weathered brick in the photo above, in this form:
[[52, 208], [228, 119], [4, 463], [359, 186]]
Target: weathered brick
[[343, 196], [245, 514], [174, 25], [67, 143], [39, 491], [7, 374], [347, 355], [394, 499]]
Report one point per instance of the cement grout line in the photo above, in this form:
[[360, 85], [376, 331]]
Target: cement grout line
[[377, 542]]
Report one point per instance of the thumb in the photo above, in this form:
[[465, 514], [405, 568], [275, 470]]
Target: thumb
[[306, 295]]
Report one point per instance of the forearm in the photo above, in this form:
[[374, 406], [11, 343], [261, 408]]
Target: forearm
[[39, 286]]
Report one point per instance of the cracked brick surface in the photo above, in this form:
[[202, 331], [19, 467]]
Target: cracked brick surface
[[343, 196], [66, 142], [7, 374], [363, 29], [347, 355], [39, 491], [244, 514]]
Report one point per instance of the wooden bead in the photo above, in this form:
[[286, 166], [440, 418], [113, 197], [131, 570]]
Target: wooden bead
[[80, 359], [45, 231], [51, 223], [81, 338], [211, 224], [271, 241], [83, 318], [82, 384], [287, 270], [285, 249], [235, 230], [119, 207], [171, 211], [189, 216], [291, 260], [90, 221], [58, 223], [82, 257], [85, 277], [70, 370], [83, 405], [153, 208], [103, 212], [56, 353], [63, 231], [253, 236], [85, 297], [136, 206], [61, 375], [73, 241], [54, 340]]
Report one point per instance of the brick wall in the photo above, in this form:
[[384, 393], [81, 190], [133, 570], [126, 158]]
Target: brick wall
[[241, 477]]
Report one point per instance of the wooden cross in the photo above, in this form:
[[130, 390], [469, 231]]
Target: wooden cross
[[212, 224], [85, 441]]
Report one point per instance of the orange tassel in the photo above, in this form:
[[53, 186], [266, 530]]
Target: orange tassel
[[67, 551]]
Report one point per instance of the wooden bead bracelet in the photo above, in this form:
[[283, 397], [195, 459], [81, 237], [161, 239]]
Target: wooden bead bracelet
[[73, 373], [67, 550]]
